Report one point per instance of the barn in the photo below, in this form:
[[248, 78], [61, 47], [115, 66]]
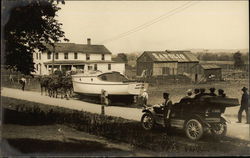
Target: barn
[[164, 63]]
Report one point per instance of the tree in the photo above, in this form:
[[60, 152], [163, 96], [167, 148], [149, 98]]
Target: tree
[[123, 56], [31, 27], [238, 62]]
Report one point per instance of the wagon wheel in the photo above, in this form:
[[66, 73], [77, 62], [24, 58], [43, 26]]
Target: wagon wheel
[[219, 129], [147, 121], [194, 129]]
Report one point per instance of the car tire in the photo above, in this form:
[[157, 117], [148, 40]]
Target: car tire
[[219, 130], [147, 121], [194, 129]]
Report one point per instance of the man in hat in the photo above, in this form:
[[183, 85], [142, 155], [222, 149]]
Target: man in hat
[[212, 92], [167, 106], [202, 92], [244, 105], [221, 93], [188, 96], [196, 92]]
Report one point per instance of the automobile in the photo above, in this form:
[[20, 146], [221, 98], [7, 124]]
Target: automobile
[[195, 116]]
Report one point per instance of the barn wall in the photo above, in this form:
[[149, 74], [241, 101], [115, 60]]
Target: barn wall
[[144, 66], [186, 67], [158, 68]]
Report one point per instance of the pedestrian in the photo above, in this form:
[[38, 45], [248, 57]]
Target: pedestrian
[[212, 92], [144, 98], [23, 82], [244, 105], [167, 106], [11, 79]]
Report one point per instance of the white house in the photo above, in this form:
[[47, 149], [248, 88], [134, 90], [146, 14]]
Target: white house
[[70, 56]]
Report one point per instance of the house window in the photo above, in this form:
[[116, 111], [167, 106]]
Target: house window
[[66, 55], [36, 55], [56, 55], [89, 67], [37, 67], [165, 71], [39, 56], [75, 56], [103, 57], [87, 57], [95, 67], [49, 55], [109, 66]]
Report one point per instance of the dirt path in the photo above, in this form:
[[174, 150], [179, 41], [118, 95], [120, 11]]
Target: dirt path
[[235, 130]]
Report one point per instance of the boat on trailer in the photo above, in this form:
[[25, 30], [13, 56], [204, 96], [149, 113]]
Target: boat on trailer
[[114, 83]]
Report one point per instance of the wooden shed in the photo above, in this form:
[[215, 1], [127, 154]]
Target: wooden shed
[[162, 63], [206, 72]]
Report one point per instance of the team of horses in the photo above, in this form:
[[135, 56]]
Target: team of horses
[[53, 85]]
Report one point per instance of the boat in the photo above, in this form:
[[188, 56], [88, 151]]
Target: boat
[[114, 83]]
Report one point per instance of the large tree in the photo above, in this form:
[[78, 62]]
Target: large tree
[[238, 62], [30, 26]]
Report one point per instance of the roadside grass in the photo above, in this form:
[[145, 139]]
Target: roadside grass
[[114, 128]]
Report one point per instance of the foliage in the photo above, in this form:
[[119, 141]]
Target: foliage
[[238, 62], [123, 56], [31, 27]]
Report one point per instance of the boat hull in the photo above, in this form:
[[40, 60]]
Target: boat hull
[[111, 88]]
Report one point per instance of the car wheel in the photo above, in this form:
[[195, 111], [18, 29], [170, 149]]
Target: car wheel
[[219, 129], [147, 121], [194, 129]]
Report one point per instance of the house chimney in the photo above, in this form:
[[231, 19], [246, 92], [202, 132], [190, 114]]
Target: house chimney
[[88, 41]]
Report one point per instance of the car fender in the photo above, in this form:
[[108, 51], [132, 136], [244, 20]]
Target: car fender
[[148, 111], [225, 119]]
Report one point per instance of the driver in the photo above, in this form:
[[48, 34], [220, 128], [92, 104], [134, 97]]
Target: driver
[[167, 106]]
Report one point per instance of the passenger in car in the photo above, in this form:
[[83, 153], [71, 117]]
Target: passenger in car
[[221, 93], [188, 96], [212, 92], [196, 92], [202, 93]]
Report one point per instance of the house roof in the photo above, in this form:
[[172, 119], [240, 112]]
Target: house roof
[[79, 62], [171, 56], [210, 66], [84, 48], [118, 59]]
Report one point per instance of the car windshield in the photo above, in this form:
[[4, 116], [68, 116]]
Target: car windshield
[[113, 77]]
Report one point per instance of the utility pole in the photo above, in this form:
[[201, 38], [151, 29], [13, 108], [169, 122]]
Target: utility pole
[[53, 59]]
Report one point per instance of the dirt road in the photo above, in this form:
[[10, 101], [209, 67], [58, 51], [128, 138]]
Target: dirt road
[[235, 130]]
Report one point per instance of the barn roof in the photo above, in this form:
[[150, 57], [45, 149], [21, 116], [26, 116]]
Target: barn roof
[[84, 48], [210, 66], [171, 56]]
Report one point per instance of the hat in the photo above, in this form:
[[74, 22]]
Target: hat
[[244, 89], [165, 94], [202, 90], [212, 89], [196, 90], [144, 90], [189, 91], [220, 90]]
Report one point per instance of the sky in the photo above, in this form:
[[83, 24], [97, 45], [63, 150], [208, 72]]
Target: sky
[[134, 26]]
